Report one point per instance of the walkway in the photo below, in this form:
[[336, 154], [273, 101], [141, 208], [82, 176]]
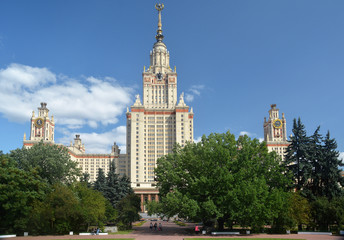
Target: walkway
[[172, 231]]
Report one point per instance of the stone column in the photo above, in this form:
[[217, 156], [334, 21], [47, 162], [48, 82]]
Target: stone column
[[142, 200]]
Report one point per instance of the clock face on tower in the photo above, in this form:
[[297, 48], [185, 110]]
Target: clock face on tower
[[39, 122], [159, 75], [277, 123]]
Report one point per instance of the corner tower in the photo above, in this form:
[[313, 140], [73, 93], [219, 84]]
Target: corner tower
[[159, 121], [42, 127], [275, 132]]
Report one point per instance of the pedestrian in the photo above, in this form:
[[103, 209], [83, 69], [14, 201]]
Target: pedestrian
[[151, 226], [155, 226], [197, 230], [98, 231], [160, 227]]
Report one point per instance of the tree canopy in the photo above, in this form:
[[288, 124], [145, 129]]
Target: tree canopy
[[224, 179], [52, 162], [315, 165], [18, 191]]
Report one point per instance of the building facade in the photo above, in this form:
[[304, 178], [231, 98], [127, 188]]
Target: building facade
[[157, 123], [42, 129], [275, 132]]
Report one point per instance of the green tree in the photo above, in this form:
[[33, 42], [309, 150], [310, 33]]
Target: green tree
[[332, 182], [100, 183], [297, 155], [128, 209], [113, 187], [68, 208], [312, 187], [52, 162], [224, 179], [18, 191], [58, 213], [85, 178], [92, 205], [299, 209], [112, 192]]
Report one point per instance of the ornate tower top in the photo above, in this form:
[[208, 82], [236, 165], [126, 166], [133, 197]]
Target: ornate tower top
[[159, 37]]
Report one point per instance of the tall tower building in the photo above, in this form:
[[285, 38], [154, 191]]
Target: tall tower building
[[275, 132], [42, 127], [159, 121]]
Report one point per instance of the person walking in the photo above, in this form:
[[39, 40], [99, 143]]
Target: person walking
[[151, 226], [160, 227], [155, 226]]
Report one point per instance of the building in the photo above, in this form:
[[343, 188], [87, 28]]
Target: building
[[275, 132], [157, 123], [154, 126], [42, 129], [91, 162]]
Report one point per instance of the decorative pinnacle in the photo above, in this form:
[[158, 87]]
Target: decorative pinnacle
[[159, 37]]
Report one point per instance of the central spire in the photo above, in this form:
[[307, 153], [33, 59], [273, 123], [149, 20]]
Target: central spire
[[159, 37]]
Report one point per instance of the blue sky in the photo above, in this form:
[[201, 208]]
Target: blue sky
[[234, 58]]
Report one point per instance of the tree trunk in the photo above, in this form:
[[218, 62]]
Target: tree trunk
[[221, 223], [300, 227]]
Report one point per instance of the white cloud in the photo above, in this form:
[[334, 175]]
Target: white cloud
[[251, 135], [189, 97], [242, 133], [196, 140], [98, 142], [74, 103], [341, 156], [195, 90]]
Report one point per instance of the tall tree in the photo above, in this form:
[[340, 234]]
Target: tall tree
[[116, 187], [112, 185], [312, 187], [100, 183], [332, 182], [52, 162], [297, 155]]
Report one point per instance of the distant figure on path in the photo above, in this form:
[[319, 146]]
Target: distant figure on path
[[197, 230], [151, 226], [155, 226], [160, 227]]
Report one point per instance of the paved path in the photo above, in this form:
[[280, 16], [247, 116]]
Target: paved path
[[172, 231]]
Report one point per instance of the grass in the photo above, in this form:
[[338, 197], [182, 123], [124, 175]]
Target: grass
[[139, 224], [180, 223], [242, 239]]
